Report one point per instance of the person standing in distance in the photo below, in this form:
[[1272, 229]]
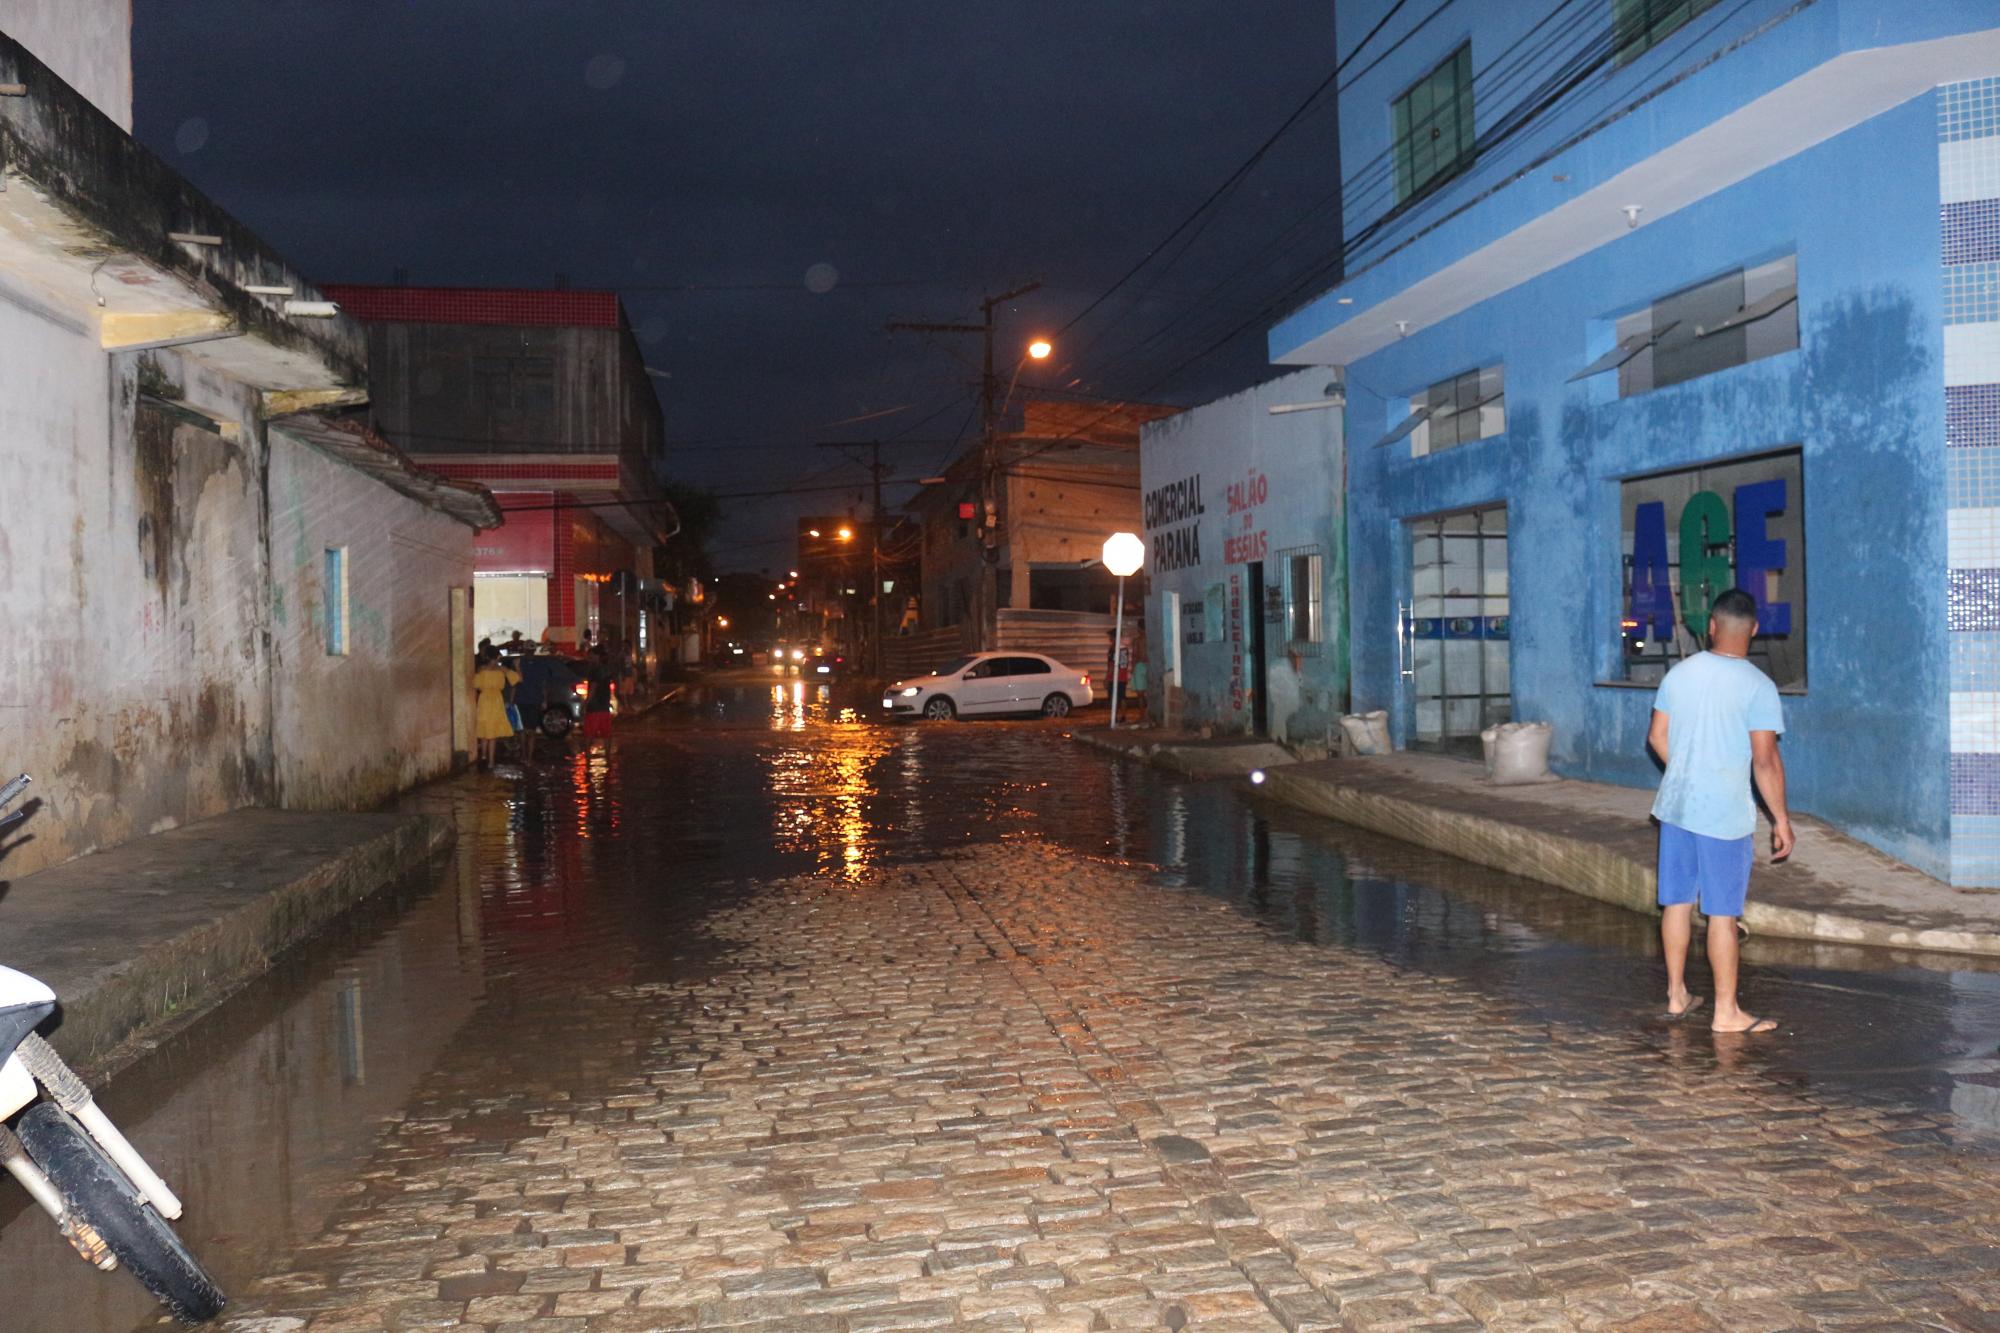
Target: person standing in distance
[[1716, 723]]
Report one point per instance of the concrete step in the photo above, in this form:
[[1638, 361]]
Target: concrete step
[[168, 925]]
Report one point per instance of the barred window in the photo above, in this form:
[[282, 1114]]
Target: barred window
[[1305, 619]]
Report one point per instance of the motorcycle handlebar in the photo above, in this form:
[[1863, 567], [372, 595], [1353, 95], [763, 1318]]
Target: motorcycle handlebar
[[12, 791]]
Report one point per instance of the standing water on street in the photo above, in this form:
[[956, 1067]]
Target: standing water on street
[[605, 919]]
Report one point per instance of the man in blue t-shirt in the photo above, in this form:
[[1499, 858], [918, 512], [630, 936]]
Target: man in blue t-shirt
[[1716, 723]]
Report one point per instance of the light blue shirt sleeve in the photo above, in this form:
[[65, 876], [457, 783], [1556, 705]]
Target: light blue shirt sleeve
[[1663, 698], [1766, 713]]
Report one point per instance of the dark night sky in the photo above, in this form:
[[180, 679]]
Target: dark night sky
[[928, 150]]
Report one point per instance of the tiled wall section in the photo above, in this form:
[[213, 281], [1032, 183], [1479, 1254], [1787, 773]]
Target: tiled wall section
[[1969, 217]]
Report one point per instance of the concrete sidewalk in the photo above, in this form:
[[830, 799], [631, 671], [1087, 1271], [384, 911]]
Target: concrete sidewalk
[[1599, 841], [1596, 840], [168, 925]]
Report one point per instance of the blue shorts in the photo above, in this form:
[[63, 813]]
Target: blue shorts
[[1714, 872]]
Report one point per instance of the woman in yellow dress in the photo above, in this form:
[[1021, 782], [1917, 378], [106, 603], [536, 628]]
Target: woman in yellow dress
[[490, 726]]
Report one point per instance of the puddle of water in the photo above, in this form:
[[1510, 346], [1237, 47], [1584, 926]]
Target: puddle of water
[[597, 869]]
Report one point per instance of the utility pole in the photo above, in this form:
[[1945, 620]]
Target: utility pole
[[989, 464], [876, 470]]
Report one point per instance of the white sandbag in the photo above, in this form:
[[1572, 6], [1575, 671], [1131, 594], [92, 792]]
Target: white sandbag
[[1489, 741], [1378, 729], [1521, 753], [1367, 733]]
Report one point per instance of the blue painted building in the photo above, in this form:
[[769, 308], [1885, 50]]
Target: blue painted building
[[1645, 298]]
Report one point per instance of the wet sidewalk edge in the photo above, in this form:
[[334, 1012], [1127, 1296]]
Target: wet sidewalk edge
[[1570, 850], [149, 934], [1223, 757]]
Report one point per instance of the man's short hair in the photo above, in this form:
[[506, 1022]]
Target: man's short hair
[[1736, 606]]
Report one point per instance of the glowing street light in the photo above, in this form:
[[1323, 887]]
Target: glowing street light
[[846, 534], [1124, 553], [812, 532], [722, 622], [1040, 348]]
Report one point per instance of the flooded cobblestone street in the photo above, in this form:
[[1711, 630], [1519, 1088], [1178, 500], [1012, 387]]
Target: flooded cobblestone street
[[767, 1015]]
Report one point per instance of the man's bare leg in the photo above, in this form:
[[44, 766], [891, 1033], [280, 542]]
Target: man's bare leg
[[1722, 956], [1676, 929]]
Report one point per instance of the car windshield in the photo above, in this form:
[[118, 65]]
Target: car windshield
[[953, 667]]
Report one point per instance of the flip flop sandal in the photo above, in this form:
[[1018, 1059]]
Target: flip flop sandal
[[1754, 1030], [1693, 1004]]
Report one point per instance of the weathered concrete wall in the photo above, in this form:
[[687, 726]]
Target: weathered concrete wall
[[1059, 514], [87, 42], [1225, 484], [353, 728], [465, 388], [134, 671]]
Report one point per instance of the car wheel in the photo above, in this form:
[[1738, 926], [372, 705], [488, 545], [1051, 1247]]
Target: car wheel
[[1056, 705], [940, 709]]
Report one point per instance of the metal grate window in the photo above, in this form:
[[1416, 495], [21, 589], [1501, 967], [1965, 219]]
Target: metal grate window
[[1304, 593], [1432, 124]]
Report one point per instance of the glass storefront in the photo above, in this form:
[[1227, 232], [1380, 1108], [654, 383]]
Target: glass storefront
[[1688, 536]]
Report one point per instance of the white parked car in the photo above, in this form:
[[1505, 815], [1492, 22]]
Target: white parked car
[[991, 683]]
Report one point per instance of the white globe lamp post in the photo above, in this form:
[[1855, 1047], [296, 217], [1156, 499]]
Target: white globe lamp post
[[1124, 553]]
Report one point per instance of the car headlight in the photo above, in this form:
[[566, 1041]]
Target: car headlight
[[911, 691], [798, 655]]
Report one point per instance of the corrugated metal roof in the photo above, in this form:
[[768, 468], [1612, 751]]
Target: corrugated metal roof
[[354, 444]]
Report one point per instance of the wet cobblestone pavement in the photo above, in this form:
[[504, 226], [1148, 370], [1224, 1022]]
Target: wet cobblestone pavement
[[784, 1021]]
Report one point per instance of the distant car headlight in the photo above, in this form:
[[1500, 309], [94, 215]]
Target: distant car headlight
[[911, 691], [798, 654]]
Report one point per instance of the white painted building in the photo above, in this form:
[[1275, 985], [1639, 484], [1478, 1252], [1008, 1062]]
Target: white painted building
[[215, 594]]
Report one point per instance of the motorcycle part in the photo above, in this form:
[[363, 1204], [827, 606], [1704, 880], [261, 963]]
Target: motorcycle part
[[100, 1198], [74, 1096], [14, 1158]]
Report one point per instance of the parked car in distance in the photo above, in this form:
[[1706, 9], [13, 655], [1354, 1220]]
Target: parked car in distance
[[821, 662], [986, 683]]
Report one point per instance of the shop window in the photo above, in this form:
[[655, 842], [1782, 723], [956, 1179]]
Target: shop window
[[1737, 318], [1432, 123], [1690, 535], [333, 594], [1304, 619], [1640, 25]]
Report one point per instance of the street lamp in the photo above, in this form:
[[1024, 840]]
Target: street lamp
[[846, 534], [1124, 553], [1040, 348]]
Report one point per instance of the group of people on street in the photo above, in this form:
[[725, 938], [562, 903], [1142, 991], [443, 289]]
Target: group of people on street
[[516, 684]]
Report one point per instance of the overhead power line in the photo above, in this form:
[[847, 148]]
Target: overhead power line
[[1243, 169]]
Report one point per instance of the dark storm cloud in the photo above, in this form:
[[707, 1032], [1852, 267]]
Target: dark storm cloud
[[964, 146]]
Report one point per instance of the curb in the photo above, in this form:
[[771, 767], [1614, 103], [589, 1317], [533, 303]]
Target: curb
[[1584, 867], [1196, 761], [180, 977]]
